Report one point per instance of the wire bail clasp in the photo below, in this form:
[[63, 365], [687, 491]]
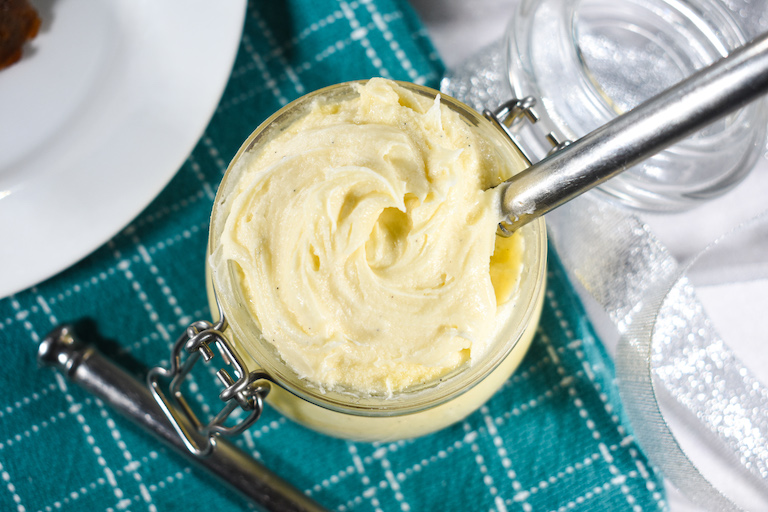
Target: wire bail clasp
[[247, 392], [508, 118]]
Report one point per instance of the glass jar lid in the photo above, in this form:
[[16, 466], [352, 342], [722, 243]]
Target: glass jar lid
[[588, 61]]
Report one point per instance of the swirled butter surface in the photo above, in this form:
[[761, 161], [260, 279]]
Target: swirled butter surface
[[365, 239]]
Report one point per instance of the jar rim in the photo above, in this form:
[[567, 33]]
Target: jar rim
[[224, 282]]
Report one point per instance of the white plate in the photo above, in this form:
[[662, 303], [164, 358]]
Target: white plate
[[100, 113]]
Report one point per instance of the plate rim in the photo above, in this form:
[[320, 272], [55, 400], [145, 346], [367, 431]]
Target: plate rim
[[38, 247]]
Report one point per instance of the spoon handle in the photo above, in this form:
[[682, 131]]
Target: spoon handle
[[234, 468], [659, 122]]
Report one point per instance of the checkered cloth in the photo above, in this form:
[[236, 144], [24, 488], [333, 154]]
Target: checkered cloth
[[553, 439]]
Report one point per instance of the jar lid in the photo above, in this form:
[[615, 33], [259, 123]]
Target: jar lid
[[589, 61]]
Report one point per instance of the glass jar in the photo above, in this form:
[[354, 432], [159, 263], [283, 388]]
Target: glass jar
[[589, 61], [419, 409]]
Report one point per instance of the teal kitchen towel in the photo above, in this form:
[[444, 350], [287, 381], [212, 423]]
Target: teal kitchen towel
[[552, 439]]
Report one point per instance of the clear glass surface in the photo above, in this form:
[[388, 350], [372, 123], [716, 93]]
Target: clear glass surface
[[588, 61]]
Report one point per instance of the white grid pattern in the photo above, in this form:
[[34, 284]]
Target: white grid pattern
[[380, 454], [362, 37]]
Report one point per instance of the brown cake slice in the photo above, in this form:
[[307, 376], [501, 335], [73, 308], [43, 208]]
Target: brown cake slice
[[19, 23]]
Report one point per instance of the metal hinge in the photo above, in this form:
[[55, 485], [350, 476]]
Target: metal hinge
[[247, 392], [508, 117]]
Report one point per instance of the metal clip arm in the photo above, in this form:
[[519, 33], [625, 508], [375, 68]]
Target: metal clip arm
[[507, 118], [234, 468], [247, 392]]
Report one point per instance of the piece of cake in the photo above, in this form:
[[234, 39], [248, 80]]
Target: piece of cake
[[19, 23]]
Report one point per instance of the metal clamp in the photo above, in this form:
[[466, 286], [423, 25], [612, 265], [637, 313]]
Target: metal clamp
[[247, 392], [510, 114], [508, 117]]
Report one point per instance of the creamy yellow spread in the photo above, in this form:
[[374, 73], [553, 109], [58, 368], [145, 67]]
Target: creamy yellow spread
[[365, 238]]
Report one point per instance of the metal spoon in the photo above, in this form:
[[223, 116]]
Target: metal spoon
[[709, 94], [232, 467]]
